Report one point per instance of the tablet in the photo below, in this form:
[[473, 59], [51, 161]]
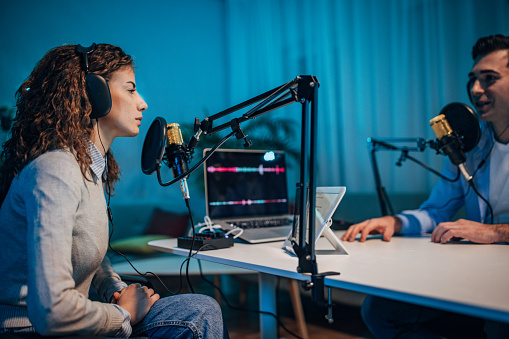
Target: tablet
[[327, 201]]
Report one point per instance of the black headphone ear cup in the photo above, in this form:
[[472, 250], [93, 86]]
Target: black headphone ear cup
[[99, 95]]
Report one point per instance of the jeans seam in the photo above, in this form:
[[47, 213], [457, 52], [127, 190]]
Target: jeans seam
[[164, 323], [26, 329]]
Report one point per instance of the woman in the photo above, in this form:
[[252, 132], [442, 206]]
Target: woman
[[53, 213]]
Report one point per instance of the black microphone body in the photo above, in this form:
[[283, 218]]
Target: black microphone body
[[176, 154], [450, 143], [177, 158]]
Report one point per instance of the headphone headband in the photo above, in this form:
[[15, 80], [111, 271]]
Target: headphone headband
[[97, 87], [85, 51]]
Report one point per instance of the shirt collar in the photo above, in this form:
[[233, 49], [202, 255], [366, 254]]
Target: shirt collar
[[98, 165]]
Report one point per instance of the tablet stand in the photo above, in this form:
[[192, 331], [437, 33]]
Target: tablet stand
[[333, 240]]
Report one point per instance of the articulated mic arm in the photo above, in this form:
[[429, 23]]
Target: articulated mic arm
[[302, 89]]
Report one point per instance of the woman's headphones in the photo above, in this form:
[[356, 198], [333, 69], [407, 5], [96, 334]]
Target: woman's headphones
[[97, 87]]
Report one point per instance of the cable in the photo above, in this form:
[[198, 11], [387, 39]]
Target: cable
[[278, 285], [432, 170], [192, 246], [449, 201], [110, 218], [208, 225], [223, 296], [192, 169], [471, 182]]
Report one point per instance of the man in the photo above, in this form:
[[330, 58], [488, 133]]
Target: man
[[488, 163]]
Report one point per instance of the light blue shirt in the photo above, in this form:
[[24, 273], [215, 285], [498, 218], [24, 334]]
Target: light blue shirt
[[447, 197], [98, 165]]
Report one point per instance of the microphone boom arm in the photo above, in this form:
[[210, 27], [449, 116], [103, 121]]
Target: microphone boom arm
[[302, 89], [267, 97], [375, 145]]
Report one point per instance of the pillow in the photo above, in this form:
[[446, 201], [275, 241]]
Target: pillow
[[167, 223]]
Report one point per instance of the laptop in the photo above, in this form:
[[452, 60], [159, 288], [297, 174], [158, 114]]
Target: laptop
[[247, 189]]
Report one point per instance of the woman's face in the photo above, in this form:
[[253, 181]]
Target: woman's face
[[124, 118]]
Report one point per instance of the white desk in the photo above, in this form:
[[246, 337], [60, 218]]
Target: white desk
[[169, 265], [464, 278]]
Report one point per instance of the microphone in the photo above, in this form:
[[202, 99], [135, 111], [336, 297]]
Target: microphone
[[177, 155], [153, 146], [176, 152], [457, 130]]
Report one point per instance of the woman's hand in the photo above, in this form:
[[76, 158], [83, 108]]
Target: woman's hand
[[137, 300]]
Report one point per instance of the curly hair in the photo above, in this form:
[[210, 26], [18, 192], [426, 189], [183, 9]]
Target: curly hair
[[53, 111], [489, 44]]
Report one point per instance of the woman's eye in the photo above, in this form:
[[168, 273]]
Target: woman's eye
[[132, 91]]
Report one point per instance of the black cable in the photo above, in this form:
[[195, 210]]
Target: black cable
[[471, 182], [110, 218], [432, 170], [278, 282], [192, 245], [192, 169], [223, 296]]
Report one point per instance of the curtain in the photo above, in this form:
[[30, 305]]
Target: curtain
[[385, 69]]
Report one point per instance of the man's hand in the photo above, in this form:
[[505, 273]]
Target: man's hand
[[137, 300], [386, 226], [470, 230]]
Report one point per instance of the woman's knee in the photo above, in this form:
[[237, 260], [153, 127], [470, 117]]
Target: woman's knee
[[198, 313], [206, 305], [191, 306]]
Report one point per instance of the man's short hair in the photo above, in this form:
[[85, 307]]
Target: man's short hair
[[489, 44]]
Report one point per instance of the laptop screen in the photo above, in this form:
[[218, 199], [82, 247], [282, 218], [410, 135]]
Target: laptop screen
[[245, 183]]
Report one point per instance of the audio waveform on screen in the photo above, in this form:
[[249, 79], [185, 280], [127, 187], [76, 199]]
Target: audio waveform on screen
[[260, 169], [248, 202]]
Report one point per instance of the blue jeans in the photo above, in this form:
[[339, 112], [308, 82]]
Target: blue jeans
[[183, 316], [180, 316], [387, 318]]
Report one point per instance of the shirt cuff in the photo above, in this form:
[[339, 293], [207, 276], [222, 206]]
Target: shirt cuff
[[404, 223], [126, 329], [416, 222], [113, 285]]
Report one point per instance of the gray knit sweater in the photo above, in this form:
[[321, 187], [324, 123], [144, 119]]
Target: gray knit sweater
[[53, 242]]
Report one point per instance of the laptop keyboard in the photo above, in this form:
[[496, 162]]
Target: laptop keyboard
[[260, 223]]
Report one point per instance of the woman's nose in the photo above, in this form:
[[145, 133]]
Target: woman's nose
[[142, 105]]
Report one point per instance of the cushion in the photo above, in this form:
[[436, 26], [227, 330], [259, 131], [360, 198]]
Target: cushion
[[167, 223], [136, 245]]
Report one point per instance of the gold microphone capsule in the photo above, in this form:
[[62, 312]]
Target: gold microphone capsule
[[440, 126], [174, 135]]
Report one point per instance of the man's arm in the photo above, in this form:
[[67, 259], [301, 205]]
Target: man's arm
[[470, 230]]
